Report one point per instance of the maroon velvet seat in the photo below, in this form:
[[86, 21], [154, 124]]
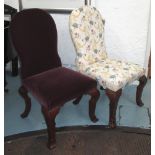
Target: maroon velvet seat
[[34, 36], [71, 84]]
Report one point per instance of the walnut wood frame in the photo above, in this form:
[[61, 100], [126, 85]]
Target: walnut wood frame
[[50, 114], [24, 94], [114, 98], [140, 87]]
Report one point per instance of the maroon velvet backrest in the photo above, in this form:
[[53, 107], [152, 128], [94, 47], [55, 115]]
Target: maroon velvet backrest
[[34, 37]]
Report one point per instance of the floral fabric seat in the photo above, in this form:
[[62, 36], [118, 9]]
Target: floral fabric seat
[[113, 74], [87, 32]]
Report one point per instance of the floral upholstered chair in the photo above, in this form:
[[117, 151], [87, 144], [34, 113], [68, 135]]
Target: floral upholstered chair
[[87, 32]]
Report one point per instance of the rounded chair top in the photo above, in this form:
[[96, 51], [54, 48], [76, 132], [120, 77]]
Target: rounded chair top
[[34, 36]]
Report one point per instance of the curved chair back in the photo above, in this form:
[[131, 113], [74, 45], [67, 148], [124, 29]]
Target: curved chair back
[[87, 32], [34, 36]]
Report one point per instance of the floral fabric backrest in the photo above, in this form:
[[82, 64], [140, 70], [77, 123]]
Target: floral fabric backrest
[[87, 32]]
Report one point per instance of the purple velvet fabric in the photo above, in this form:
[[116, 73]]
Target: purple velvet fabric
[[57, 86], [34, 37]]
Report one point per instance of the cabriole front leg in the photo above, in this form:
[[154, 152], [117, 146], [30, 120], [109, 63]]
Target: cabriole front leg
[[50, 122], [114, 98], [94, 93], [24, 94], [142, 83]]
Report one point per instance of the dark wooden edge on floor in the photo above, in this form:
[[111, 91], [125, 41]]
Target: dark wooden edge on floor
[[76, 128]]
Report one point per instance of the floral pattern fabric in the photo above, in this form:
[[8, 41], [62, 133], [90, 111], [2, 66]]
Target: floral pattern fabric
[[87, 31], [113, 74]]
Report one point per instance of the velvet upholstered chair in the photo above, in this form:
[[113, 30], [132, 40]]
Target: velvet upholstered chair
[[34, 36], [87, 32]]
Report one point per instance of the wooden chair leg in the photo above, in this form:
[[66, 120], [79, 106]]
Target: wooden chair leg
[[15, 66], [92, 104], [101, 88], [24, 94], [114, 98], [142, 83], [76, 101], [50, 122]]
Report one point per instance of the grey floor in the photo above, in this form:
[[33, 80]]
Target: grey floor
[[128, 113]]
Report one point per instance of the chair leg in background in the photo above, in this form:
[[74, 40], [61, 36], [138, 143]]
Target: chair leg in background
[[114, 98], [77, 100], [50, 122], [5, 82], [15, 66], [92, 104], [24, 94], [142, 83], [101, 88]]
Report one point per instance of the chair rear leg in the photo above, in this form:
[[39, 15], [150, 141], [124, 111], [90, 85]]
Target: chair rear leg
[[24, 94], [77, 100], [50, 122], [142, 83], [94, 93], [15, 66], [101, 88], [114, 98]]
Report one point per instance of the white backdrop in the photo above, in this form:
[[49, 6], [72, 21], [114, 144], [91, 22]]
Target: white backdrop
[[13, 3], [126, 30]]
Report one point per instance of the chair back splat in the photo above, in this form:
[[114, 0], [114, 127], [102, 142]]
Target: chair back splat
[[34, 36], [87, 32]]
